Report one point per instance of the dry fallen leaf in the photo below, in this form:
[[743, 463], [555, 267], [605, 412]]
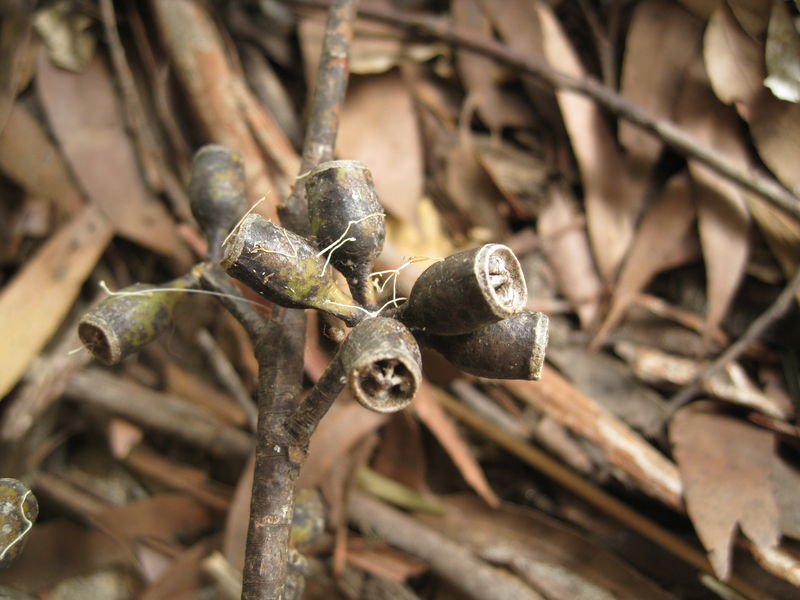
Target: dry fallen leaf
[[86, 117], [34, 303], [342, 428], [168, 518], [518, 26], [724, 236], [786, 486], [723, 214], [430, 412], [15, 50], [753, 16], [701, 8], [225, 108], [611, 196], [520, 176], [775, 129], [734, 61], [663, 226], [725, 465], [469, 186], [30, 158], [609, 382], [478, 73], [379, 128], [558, 398], [661, 41], [566, 247]]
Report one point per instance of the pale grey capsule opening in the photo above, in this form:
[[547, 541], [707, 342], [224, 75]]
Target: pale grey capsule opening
[[501, 280]]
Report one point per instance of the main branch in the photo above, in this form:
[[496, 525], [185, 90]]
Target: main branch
[[280, 351]]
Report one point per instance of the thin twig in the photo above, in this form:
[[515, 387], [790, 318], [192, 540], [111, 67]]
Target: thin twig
[[675, 137], [774, 312], [470, 575], [227, 375]]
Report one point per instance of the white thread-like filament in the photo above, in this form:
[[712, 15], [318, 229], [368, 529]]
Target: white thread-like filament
[[150, 291], [239, 223]]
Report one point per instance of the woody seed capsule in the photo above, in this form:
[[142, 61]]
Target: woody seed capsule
[[18, 511], [342, 205], [217, 193], [283, 267], [465, 291], [513, 348], [382, 363], [121, 324]]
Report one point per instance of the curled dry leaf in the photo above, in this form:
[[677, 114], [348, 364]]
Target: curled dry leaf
[[731, 384], [663, 226], [725, 464], [611, 195], [67, 33], [379, 128], [782, 54], [566, 247], [734, 61]]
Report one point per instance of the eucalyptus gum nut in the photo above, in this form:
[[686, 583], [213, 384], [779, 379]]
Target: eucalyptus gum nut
[[382, 364], [121, 324], [18, 511], [513, 348], [284, 267], [465, 291], [217, 193], [341, 197]]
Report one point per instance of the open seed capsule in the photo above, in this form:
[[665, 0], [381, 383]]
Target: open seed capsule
[[121, 324], [18, 511], [283, 267], [217, 193], [466, 290], [382, 363], [509, 349], [342, 205]]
